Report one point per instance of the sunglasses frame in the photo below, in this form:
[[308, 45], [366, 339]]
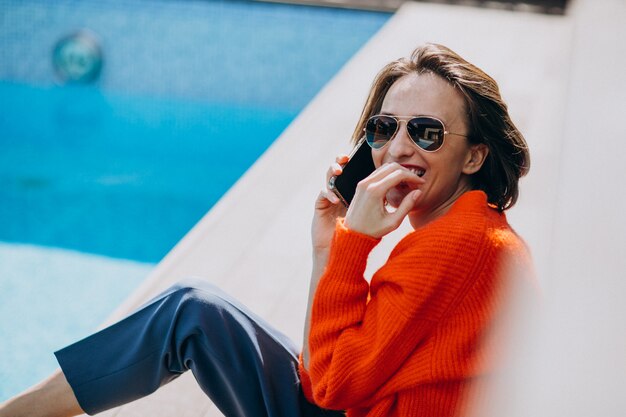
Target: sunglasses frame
[[406, 120]]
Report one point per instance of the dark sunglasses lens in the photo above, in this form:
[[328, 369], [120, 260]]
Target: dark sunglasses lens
[[379, 130], [427, 133]]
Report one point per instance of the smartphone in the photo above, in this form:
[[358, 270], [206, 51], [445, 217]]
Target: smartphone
[[359, 166]]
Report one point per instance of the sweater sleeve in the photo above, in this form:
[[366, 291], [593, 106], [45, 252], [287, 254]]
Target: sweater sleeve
[[357, 347]]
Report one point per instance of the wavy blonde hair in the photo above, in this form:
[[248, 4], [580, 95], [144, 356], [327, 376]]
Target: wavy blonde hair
[[487, 116]]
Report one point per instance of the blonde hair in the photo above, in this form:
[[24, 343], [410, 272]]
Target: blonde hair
[[487, 116]]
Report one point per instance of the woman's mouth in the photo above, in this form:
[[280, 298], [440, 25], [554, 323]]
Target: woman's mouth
[[417, 170]]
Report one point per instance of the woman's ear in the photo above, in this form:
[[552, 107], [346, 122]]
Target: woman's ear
[[475, 158]]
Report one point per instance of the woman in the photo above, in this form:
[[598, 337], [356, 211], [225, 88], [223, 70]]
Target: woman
[[415, 341]]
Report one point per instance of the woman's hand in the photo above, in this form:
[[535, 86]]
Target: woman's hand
[[328, 208], [368, 213]]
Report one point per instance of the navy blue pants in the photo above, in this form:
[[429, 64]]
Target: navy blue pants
[[246, 367]]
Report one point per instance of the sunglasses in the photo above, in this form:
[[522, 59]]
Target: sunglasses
[[425, 131]]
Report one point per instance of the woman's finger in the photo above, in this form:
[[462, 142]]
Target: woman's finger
[[334, 170], [385, 170], [332, 197], [329, 196], [407, 204], [397, 176], [342, 159], [381, 185]]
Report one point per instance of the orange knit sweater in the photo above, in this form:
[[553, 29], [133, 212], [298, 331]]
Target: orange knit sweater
[[416, 347]]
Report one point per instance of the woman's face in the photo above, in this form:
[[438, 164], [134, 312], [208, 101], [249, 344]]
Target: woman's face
[[447, 170]]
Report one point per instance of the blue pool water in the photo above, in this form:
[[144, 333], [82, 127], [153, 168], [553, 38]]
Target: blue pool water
[[97, 183], [125, 177]]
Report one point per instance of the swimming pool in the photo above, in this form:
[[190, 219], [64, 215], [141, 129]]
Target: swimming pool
[[98, 182]]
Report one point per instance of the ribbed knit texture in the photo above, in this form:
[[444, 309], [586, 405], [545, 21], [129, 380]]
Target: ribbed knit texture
[[417, 345]]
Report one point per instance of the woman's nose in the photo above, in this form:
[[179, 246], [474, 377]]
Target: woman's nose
[[401, 144]]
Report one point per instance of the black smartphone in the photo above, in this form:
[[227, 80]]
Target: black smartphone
[[359, 166]]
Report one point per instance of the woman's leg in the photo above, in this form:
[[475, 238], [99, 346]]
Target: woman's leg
[[246, 367], [52, 397]]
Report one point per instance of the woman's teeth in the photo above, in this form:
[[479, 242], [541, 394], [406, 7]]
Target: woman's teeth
[[418, 171]]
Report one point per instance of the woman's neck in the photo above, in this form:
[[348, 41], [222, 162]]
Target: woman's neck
[[420, 218]]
